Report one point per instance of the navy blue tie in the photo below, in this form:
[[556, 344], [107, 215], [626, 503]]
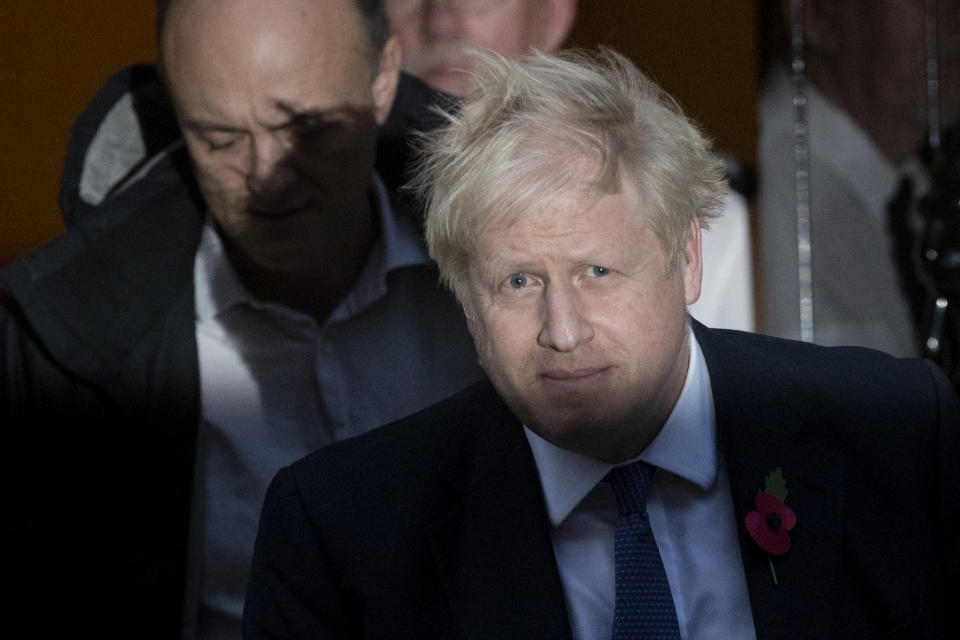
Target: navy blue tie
[[644, 606]]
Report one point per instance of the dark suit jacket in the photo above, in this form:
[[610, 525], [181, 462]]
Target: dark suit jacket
[[435, 526]]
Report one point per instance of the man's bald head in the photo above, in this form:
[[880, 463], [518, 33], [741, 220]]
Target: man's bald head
[[373, 12]]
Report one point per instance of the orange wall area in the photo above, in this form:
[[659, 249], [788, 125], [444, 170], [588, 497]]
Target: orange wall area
[[702, 52], [54, 54]]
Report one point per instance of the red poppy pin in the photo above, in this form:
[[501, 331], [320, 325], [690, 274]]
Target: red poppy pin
[[770, 524]]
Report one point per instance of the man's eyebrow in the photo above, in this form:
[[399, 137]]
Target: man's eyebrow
[[493, 267], [205, 126], [297, 115]]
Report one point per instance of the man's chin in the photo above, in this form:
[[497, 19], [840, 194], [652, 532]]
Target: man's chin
[[278, 256], [602, 441], [582, 429]]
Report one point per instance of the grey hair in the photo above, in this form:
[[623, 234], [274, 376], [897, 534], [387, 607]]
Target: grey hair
[[521, 137]]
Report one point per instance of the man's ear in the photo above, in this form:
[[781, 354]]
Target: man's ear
[[557, 21], [468, 305], [478, 332], [692, 265], [384, 85]]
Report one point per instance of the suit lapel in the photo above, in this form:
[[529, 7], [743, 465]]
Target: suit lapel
[[492, 547], [762, 426]]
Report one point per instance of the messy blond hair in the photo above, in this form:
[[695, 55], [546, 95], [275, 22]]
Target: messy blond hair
[[521, 137]]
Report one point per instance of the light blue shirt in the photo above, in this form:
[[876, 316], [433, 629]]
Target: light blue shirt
[[275, 386], [690, 511]]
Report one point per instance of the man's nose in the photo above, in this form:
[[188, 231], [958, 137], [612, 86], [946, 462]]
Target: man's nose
[[441, 17], [269, 169], [566, 325]]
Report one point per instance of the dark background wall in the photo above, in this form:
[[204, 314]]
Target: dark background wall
[[54, 54]]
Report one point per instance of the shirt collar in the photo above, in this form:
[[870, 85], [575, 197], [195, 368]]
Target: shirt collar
[[686, 446], [400, 234], [218, 288]]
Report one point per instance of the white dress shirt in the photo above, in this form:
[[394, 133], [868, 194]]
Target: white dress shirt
[[276, 385], [726, 296], [691, 515]]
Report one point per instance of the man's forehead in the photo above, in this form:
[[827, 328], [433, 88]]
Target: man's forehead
[[261, 28], [557, 186], [293, 54], [569, 213]]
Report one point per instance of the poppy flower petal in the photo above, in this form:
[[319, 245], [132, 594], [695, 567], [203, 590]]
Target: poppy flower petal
[[767, 503], [787, 517], [778, 543], [773, 542]]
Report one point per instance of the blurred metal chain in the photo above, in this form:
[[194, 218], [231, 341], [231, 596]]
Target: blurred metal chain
[[801, 163], [933, 80]]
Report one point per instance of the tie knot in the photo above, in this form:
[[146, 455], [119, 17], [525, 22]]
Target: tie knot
[[631, 483]]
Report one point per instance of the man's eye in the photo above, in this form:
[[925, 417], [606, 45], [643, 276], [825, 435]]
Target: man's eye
[[518, 281], [218, 142], [597, 271], [309, 128]]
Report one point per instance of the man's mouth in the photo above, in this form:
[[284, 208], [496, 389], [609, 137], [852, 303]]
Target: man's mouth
[[449, 77], [580, 379], [277, 212]]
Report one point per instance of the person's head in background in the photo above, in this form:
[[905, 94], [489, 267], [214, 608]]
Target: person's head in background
[[869, 57], [433, 34], [279, 103]]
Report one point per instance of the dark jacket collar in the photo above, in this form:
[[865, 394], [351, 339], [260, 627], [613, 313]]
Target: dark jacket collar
[[417, 108], [495, 539], [93, 294]]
